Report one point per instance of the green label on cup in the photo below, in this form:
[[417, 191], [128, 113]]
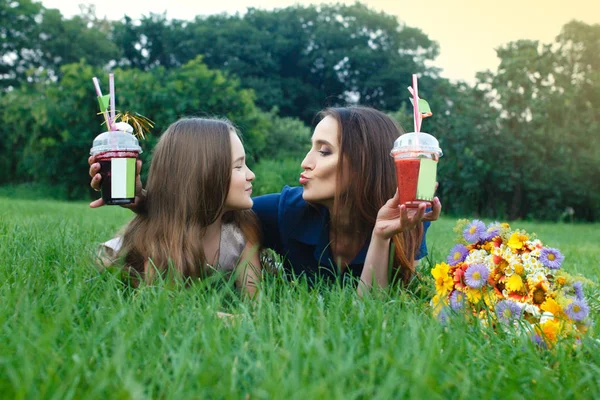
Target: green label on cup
[[122, 172], [427, 179]]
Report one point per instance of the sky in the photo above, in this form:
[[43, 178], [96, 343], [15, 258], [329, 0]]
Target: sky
[[467, 31]]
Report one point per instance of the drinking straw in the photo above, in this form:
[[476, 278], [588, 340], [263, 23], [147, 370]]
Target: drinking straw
[[99, 94], [417, 114], [111, 84]]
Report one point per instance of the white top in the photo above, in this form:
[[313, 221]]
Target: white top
[[230, 248]]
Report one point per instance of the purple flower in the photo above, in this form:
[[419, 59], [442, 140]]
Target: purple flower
[[538, 340], [577, 310], [476, 275], [474, 230], [578, 288], [444, 316], [507, 311], [551, 258], [457, 254], [491, 232], [457, 300]]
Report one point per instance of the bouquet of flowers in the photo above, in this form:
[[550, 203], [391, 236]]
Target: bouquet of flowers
[[508, 278]]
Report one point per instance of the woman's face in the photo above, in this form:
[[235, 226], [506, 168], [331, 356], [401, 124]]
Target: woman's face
[[320, 164], [240, 187]]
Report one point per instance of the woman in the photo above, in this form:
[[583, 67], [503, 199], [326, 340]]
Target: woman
[[197, 215], [339, 220], [330, 226]]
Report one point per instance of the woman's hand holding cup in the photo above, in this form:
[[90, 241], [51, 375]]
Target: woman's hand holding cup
[[394, 217]]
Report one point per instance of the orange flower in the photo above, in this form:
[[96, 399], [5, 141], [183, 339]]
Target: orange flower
[[458, 276]]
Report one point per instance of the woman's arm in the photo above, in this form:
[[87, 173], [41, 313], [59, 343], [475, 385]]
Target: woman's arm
[[392, 219]]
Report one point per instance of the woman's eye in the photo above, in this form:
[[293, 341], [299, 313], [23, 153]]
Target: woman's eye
[[324, 152]]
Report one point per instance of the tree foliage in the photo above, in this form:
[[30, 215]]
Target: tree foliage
[[521, 143], [49, 128], [299, 59]]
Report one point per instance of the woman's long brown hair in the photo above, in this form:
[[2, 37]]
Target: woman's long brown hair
[[366, 137], [187, 186]]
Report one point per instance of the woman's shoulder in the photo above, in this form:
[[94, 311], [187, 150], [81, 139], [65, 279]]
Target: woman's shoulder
[[292, 196], [289, 196], [276, 206]]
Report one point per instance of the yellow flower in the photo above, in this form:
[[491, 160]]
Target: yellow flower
[[519, 269], [515, 283], [473, 295], [439, 301], [561, 280], [551, 329], [490, 298], [517, 240], [443, 282], [489, 246], [551, 306]]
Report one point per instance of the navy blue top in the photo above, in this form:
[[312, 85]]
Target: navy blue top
[[299, 232]]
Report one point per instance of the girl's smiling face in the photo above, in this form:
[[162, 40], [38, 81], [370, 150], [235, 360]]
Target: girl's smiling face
[[320, 164], [240, 186]]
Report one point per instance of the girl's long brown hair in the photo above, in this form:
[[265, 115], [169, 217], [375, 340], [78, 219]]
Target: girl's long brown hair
[[366, 137], [187, 186]]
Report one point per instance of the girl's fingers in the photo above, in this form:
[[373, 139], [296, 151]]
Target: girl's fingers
[[96, 182], [97, 203]]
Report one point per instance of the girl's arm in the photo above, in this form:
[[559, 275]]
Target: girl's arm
[[248, 271]]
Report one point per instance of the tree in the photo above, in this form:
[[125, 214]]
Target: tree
[[546, 95], [48, 129], [18, 28], [299, 59], [37, 41]]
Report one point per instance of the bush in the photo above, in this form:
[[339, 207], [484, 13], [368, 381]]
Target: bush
[[273, 175]]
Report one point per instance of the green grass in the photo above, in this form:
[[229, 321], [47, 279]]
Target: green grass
[[67, 331]]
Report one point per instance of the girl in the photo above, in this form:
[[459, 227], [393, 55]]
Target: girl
[[196, 216]]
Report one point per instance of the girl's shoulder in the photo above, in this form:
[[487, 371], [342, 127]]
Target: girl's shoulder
[[231, 246]]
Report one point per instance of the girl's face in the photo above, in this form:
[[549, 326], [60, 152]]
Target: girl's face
[[240, 187], [320, 164]]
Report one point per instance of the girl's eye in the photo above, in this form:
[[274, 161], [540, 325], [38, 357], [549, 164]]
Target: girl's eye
[[324, 152], [238, 166]]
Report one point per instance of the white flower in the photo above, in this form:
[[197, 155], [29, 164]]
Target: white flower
[[531, 309], [536, 277], [489, 262], [476, 257], [546, 316]]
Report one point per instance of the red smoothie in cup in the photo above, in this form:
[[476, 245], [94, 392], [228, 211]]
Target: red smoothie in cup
[[407, 173], [416, 156]]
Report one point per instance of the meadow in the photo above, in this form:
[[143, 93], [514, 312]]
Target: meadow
[[68, 331]]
